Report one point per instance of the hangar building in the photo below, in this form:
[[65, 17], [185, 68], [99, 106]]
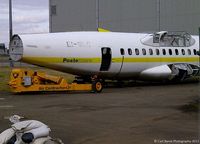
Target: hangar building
[[125, 15]]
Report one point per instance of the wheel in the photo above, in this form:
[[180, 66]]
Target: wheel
[[97, 86]]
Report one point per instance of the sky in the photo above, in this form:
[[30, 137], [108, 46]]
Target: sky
[[29, 16]]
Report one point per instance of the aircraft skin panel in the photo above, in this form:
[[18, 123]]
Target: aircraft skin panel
[[73, 44]]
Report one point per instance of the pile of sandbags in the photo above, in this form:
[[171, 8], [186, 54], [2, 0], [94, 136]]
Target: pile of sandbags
[[27, 132]]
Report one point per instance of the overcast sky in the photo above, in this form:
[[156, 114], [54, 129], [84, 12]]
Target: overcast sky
[[29, 16]]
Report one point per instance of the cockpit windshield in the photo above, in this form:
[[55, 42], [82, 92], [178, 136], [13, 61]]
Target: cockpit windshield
[[169, 39]]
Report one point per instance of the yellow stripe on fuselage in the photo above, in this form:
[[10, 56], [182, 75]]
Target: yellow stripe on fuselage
[[61, 60], [157, 59], [114, 60]]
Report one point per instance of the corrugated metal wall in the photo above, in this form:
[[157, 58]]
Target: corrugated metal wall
[[180, 15], [72, 15], [126, 15]]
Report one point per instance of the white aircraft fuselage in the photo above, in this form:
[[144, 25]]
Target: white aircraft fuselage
[[111, 55]]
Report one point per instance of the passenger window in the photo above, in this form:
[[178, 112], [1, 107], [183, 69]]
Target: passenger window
[[157, 52], [144, 52], [164, 51], [195, 52], [176, 51], [170, 52], [137, 51], [189, 52], [122, 51], [183, 51], [130, 51], [150, 51]]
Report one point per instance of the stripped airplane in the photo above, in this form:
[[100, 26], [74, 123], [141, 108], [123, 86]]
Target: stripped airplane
[[159, 56]]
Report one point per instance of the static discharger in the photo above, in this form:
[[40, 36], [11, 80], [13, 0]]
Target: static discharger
[[22, 80]]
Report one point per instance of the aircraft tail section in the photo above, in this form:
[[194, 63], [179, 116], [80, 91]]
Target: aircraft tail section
[[102, 30]]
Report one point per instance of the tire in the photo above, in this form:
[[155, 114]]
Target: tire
[[97, 86]]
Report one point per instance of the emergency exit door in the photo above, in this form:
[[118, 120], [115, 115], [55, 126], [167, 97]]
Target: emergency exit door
[[106, 58]]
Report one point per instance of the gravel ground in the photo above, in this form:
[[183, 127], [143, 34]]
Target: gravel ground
[[131, 115]]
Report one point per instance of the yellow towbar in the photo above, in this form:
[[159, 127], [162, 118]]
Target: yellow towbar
[[22, 80]]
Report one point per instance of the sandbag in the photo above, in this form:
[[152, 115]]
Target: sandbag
[[6, 135], [42, 131], [29, 131], [27, 125], [41, 140]]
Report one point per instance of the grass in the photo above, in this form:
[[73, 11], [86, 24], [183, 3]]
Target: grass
[[4, 58], [4, 78], [5, 75], [193, 106]]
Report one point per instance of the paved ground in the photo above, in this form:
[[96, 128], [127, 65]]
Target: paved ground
[[131, 115]]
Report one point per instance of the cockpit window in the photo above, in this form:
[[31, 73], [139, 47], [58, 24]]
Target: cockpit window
[[156, 38], [168, 39]]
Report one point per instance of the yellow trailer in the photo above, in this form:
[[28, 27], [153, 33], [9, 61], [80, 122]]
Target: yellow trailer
[[22, 80]]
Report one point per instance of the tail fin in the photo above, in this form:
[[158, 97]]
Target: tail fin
[[102, 30]]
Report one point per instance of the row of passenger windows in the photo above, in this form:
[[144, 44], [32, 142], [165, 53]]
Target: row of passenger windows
[[159, 52]]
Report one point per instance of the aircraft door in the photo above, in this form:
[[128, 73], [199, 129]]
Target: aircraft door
[[106, 58]]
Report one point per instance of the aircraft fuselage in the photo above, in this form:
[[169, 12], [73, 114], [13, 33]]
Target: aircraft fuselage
[[110, 55]]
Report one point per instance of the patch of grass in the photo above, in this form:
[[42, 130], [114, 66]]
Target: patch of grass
[[4, 72], [193, 106], [4, 58], [4, 78]]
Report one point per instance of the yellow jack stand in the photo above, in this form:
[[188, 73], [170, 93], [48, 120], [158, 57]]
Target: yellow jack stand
[[22, 80]]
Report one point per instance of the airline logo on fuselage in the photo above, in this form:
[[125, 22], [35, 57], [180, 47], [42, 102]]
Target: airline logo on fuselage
[[70, 60]]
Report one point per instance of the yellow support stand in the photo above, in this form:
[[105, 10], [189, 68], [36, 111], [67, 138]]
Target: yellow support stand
[[22, 80]]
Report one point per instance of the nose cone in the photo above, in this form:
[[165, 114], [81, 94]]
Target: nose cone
[[16, 48]]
